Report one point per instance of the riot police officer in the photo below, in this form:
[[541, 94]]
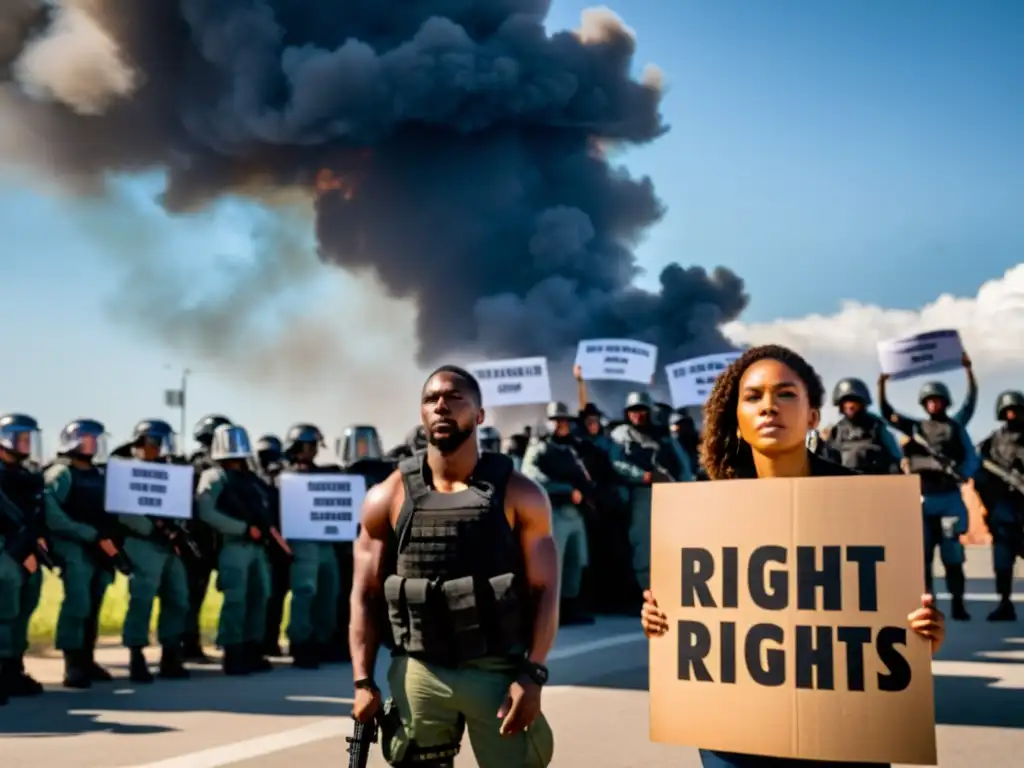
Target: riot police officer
[[22, 545], [415, 441], [1004, 449], [490, 440], [269, 452], [554, 464], [940, 451], [155, 547], [647, 457], [235, 502], [200, 569], [83, 541], [860, 440], [314, 569]]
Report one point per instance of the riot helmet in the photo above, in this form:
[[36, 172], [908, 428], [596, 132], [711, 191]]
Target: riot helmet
[[271, 446], [639, 400], [851, 389], [230, 442], [20, 435], [85, 439], [935, 389], [557, 410], [202, 433], [417, 438], [302, 434], [1011, 400], [359, 442], [158, 434], [490, 440]]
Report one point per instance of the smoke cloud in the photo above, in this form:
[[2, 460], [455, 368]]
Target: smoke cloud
[[461, 153]]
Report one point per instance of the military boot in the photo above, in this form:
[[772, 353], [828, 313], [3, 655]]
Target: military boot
[[138, 667], [1004, 611], [234, 662], [22, 683], [172, 665], [96, 673], [257, 661], [76, 670], [571, 613], [334, 652], [305, 655], [4, 681], [958, 610], [192, 650]]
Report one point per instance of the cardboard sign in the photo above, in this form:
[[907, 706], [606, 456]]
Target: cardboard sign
[[320, 507], [523, 381], [690, 381], [617, 360], [921, 354], [787, 603], [148, 488]]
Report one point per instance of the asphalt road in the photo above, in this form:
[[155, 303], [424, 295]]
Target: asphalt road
[[597, 704]]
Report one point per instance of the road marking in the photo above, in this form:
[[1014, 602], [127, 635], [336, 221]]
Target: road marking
[[581, 649], [977, 597]]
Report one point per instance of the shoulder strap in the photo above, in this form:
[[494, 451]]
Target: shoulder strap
[[494, 470], [415, 489]]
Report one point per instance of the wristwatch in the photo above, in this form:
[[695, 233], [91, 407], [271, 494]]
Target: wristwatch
[[537, 673], [365, 684]]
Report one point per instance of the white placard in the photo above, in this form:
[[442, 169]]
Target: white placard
[[523, 381], [148, 488], [617, 360], [921, 354], [320, 507], [690, 381]]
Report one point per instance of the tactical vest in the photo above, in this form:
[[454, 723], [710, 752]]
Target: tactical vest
[[1006, 448], [23, 487], [86, 502], [649, 452], [860, 447], [245, 497], [456, 589], [944, 438]]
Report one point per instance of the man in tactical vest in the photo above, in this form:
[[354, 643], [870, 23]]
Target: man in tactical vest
[[235, 502], [314, 569], [22, 547], [155, 546], [940, 451], [1002, 460], [553, 463], [648, 456], [459, 546], [683, 430], [200, 569], [83, 540], [860, 440], [269, 456]]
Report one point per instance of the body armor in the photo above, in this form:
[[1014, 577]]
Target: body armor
[[23, 487], [860, 447], [457, 590], [944, 438], [86, 499], [647, 452], [246, 497]]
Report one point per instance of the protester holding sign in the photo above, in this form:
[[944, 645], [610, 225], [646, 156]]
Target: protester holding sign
[[756, 420], [941, 452]]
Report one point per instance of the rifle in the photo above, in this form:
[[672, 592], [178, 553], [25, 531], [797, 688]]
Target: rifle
[[1014, 480], [111, 531], [31, 536], [254, 518], [176, 535], [947, 465], [364, 735]]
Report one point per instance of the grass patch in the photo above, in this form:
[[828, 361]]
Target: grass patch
[[43, 625]]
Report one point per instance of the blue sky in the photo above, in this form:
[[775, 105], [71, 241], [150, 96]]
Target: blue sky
[[874, 146]]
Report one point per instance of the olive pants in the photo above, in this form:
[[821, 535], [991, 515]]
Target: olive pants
[[158, 572], [434, 703], [571, 544], [85, 585], [243, 576], [314, 580]]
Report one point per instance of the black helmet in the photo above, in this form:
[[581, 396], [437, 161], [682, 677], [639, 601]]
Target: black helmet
[[269, 444], [851, 389], [158, 432], [302, 433], [557, 410], [934, 389], [1007, 400], [20, 434], [203, 431]]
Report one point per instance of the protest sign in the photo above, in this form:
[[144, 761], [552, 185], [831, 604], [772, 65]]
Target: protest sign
[[617, 360], [921, 354], [320, 507], [690, 381], [523, 381], [148, 488], [787, 603]]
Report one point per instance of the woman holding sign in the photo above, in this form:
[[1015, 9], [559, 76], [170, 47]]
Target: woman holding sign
[[756, 422]]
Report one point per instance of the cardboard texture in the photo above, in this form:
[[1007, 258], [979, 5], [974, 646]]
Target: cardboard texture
[[780, 718]]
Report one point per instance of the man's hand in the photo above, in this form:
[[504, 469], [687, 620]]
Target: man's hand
[[965, 360], [108, 548], [254, 533], [576, 497], [577, 372], [366, 704], [648, 478], [883, 377], [31, 564], [520, 709]]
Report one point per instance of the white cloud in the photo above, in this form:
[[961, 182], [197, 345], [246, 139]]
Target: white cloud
[[991, 325]]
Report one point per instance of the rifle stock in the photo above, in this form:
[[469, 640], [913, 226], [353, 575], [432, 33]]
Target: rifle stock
[[364, 735]]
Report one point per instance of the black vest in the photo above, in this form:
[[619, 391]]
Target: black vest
[[943, 435], [246, 497], [860, 447], [456, 589], [24, 489], [86, 501]]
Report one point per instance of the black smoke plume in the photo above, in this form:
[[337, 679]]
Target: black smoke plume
[[460, 150]]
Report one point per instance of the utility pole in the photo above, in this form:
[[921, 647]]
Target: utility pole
[[178, 398]]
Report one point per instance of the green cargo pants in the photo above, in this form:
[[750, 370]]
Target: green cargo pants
[[434, 702], [158, 572], [85, 585], [31, 590], [571, 545], [640, 533], [315, 582], [243, 576]]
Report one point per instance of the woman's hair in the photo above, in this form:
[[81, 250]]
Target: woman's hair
[[722, 453]]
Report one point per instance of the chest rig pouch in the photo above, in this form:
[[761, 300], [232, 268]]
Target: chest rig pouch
[[86, 499], [860, 447], [943, 436], [457, 590]]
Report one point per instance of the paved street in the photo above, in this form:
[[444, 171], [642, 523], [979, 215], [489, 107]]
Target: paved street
[[597, 704]]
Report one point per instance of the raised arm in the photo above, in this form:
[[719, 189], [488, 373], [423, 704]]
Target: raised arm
[[533, 520], [966, 413], [904, 424], [581, 387], [370, 548]]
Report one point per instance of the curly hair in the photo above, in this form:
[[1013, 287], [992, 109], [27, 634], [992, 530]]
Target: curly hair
[[722, 453]]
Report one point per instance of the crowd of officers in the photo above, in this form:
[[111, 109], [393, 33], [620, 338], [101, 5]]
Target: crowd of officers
[[597, 470]]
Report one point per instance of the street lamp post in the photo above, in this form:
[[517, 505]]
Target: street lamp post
[[184, 399]]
